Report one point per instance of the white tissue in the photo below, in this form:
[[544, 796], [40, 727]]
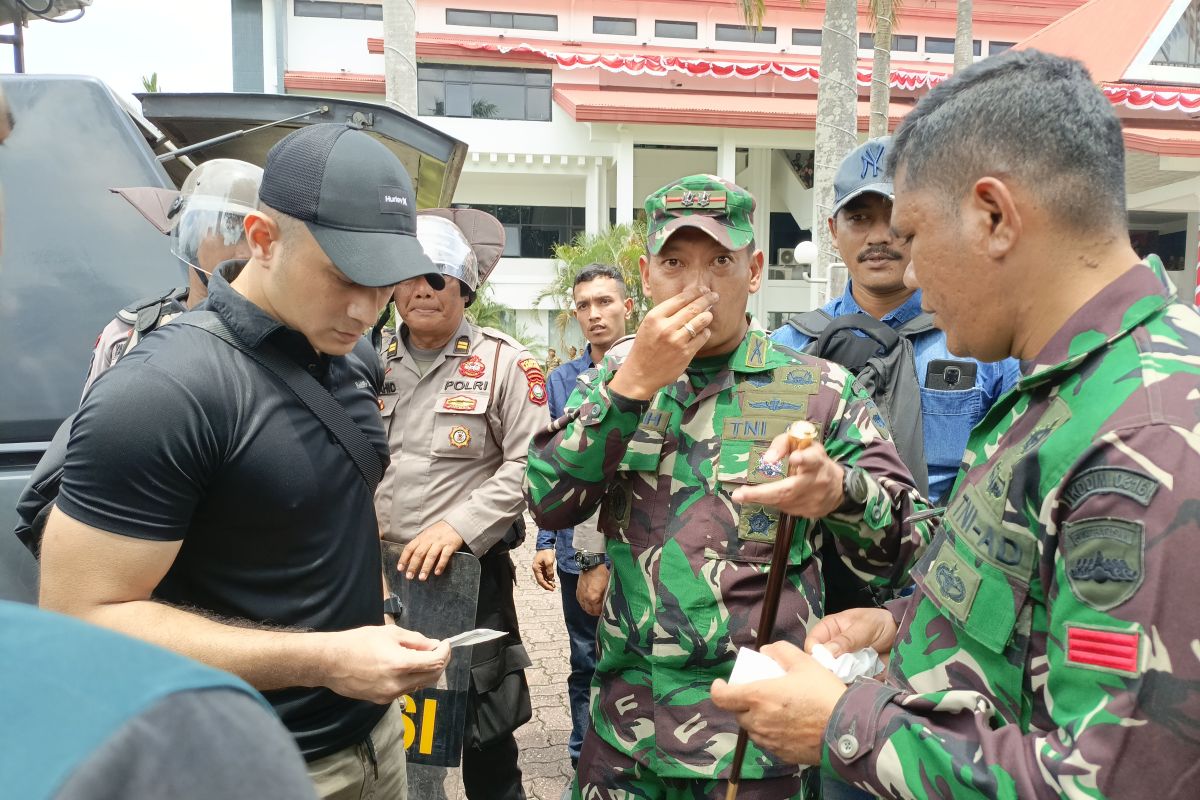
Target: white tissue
[[752, 665], [848, 666]]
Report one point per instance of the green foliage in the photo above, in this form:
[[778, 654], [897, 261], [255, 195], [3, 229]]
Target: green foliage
[[621, 246], [151, 84], [753, 12], [486, 312]]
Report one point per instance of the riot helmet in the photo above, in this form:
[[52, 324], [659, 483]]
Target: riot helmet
[[449, 251], [207, 217]]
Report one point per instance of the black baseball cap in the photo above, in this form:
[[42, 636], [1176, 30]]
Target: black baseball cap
[[354, 196]]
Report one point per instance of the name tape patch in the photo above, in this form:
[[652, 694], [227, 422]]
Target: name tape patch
[[1137, 486]]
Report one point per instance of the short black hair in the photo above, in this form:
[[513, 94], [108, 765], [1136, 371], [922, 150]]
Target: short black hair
[[597, 270], [1030, 115]]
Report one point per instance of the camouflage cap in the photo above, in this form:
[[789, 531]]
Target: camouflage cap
[[721, 209]]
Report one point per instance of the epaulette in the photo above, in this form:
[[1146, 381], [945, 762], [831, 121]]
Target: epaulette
[[129, 314], [501, 336]]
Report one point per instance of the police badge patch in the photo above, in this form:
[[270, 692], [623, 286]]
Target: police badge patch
[[536, 379], [460, 436], [472, 367]]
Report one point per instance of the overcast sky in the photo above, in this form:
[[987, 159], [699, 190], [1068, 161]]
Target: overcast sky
[[187, 42]]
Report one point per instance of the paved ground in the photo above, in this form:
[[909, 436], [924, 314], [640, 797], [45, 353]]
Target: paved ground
[[543, 740]]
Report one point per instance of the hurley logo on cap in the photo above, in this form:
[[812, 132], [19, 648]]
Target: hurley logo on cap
[[393, 200]]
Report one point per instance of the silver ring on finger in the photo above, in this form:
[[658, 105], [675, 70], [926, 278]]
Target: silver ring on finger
[[687, 326]]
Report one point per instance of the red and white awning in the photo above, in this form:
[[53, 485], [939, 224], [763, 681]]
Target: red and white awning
[[1146, 99]]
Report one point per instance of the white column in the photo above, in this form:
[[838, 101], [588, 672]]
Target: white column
[[269, 49], [624, 156], [727, 156], [596, 196], [1187, 279], [758, 183]]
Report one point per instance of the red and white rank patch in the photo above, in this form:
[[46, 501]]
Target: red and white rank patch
[[1111, 651], [460, 436], [460, 402], [472, 367]]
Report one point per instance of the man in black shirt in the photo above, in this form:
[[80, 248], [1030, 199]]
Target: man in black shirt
[[206, 509]]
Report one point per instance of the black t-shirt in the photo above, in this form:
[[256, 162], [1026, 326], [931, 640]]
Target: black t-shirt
[[186, 438]]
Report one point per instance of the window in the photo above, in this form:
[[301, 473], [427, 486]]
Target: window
[[501, 19], [1181, 48], [449, 90], [614, 26], [938, 45], [667, 29], [320, 8], [806, 37], [995, 48], [900, 44], [533, 231], [740, 33]]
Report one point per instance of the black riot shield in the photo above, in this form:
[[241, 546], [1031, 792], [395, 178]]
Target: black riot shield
[[439, 608]]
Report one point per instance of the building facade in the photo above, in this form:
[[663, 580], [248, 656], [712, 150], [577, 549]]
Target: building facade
[[575, 112]]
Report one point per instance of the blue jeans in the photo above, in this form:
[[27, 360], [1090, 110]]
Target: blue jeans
[[581, 630]]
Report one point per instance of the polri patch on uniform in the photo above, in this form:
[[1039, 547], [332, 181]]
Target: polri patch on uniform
[[1137, 486], [1104, 560], [537, 394], [472, 367], [460, 436], [389, 387], [462, 346], [460, 402], [1103, 649]]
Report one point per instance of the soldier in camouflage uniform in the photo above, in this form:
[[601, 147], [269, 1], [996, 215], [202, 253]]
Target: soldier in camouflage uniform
[[1050, 648], [659, 446]]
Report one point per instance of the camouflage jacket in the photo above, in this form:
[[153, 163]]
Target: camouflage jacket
[[1050, 649], [689, 566]]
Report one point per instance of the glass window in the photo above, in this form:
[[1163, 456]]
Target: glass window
[[866, 41], [806, 37], [501, 19], [534, 231], [1181, 48], [374, 12], [308, 8], [483, 93], [457, 16], [995, 48], [535, 22], [904, 44], [614, 26], [668, 29], [740, 33], [353, 11], [943, 46]]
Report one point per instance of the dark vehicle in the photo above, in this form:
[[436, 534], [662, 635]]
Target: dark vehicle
[[74, 252]]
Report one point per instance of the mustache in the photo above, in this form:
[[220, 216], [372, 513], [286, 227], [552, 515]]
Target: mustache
[[881, 250]]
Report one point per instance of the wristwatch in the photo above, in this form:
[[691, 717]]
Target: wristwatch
[[856, 489], [586, 561], [393, 606]]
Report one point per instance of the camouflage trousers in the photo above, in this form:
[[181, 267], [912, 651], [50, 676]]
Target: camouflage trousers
[[604, 773]]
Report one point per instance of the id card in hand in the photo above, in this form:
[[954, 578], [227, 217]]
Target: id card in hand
[[477, 636]]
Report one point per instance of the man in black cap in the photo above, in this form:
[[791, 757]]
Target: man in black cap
[[205, 508]]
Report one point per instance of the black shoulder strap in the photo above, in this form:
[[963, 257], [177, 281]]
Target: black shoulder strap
[[921, 323], [310, 392], [811, 323]]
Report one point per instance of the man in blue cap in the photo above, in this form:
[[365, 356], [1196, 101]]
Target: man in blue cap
[[204, 506], [955, 392]]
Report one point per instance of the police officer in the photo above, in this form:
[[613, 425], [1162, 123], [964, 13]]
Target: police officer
[[460, 404], [1049, 649], [206, 229]]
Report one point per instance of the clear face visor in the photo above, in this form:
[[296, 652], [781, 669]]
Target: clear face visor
[[207, 232], [448, 249]]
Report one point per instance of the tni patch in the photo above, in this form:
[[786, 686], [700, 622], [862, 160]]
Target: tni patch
[[1104, 560]]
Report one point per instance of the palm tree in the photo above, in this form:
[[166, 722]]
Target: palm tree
[[486, 312], [964, 47], [884, 12], [837, 121], [753, 11], [621, 246], [400, 54]]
